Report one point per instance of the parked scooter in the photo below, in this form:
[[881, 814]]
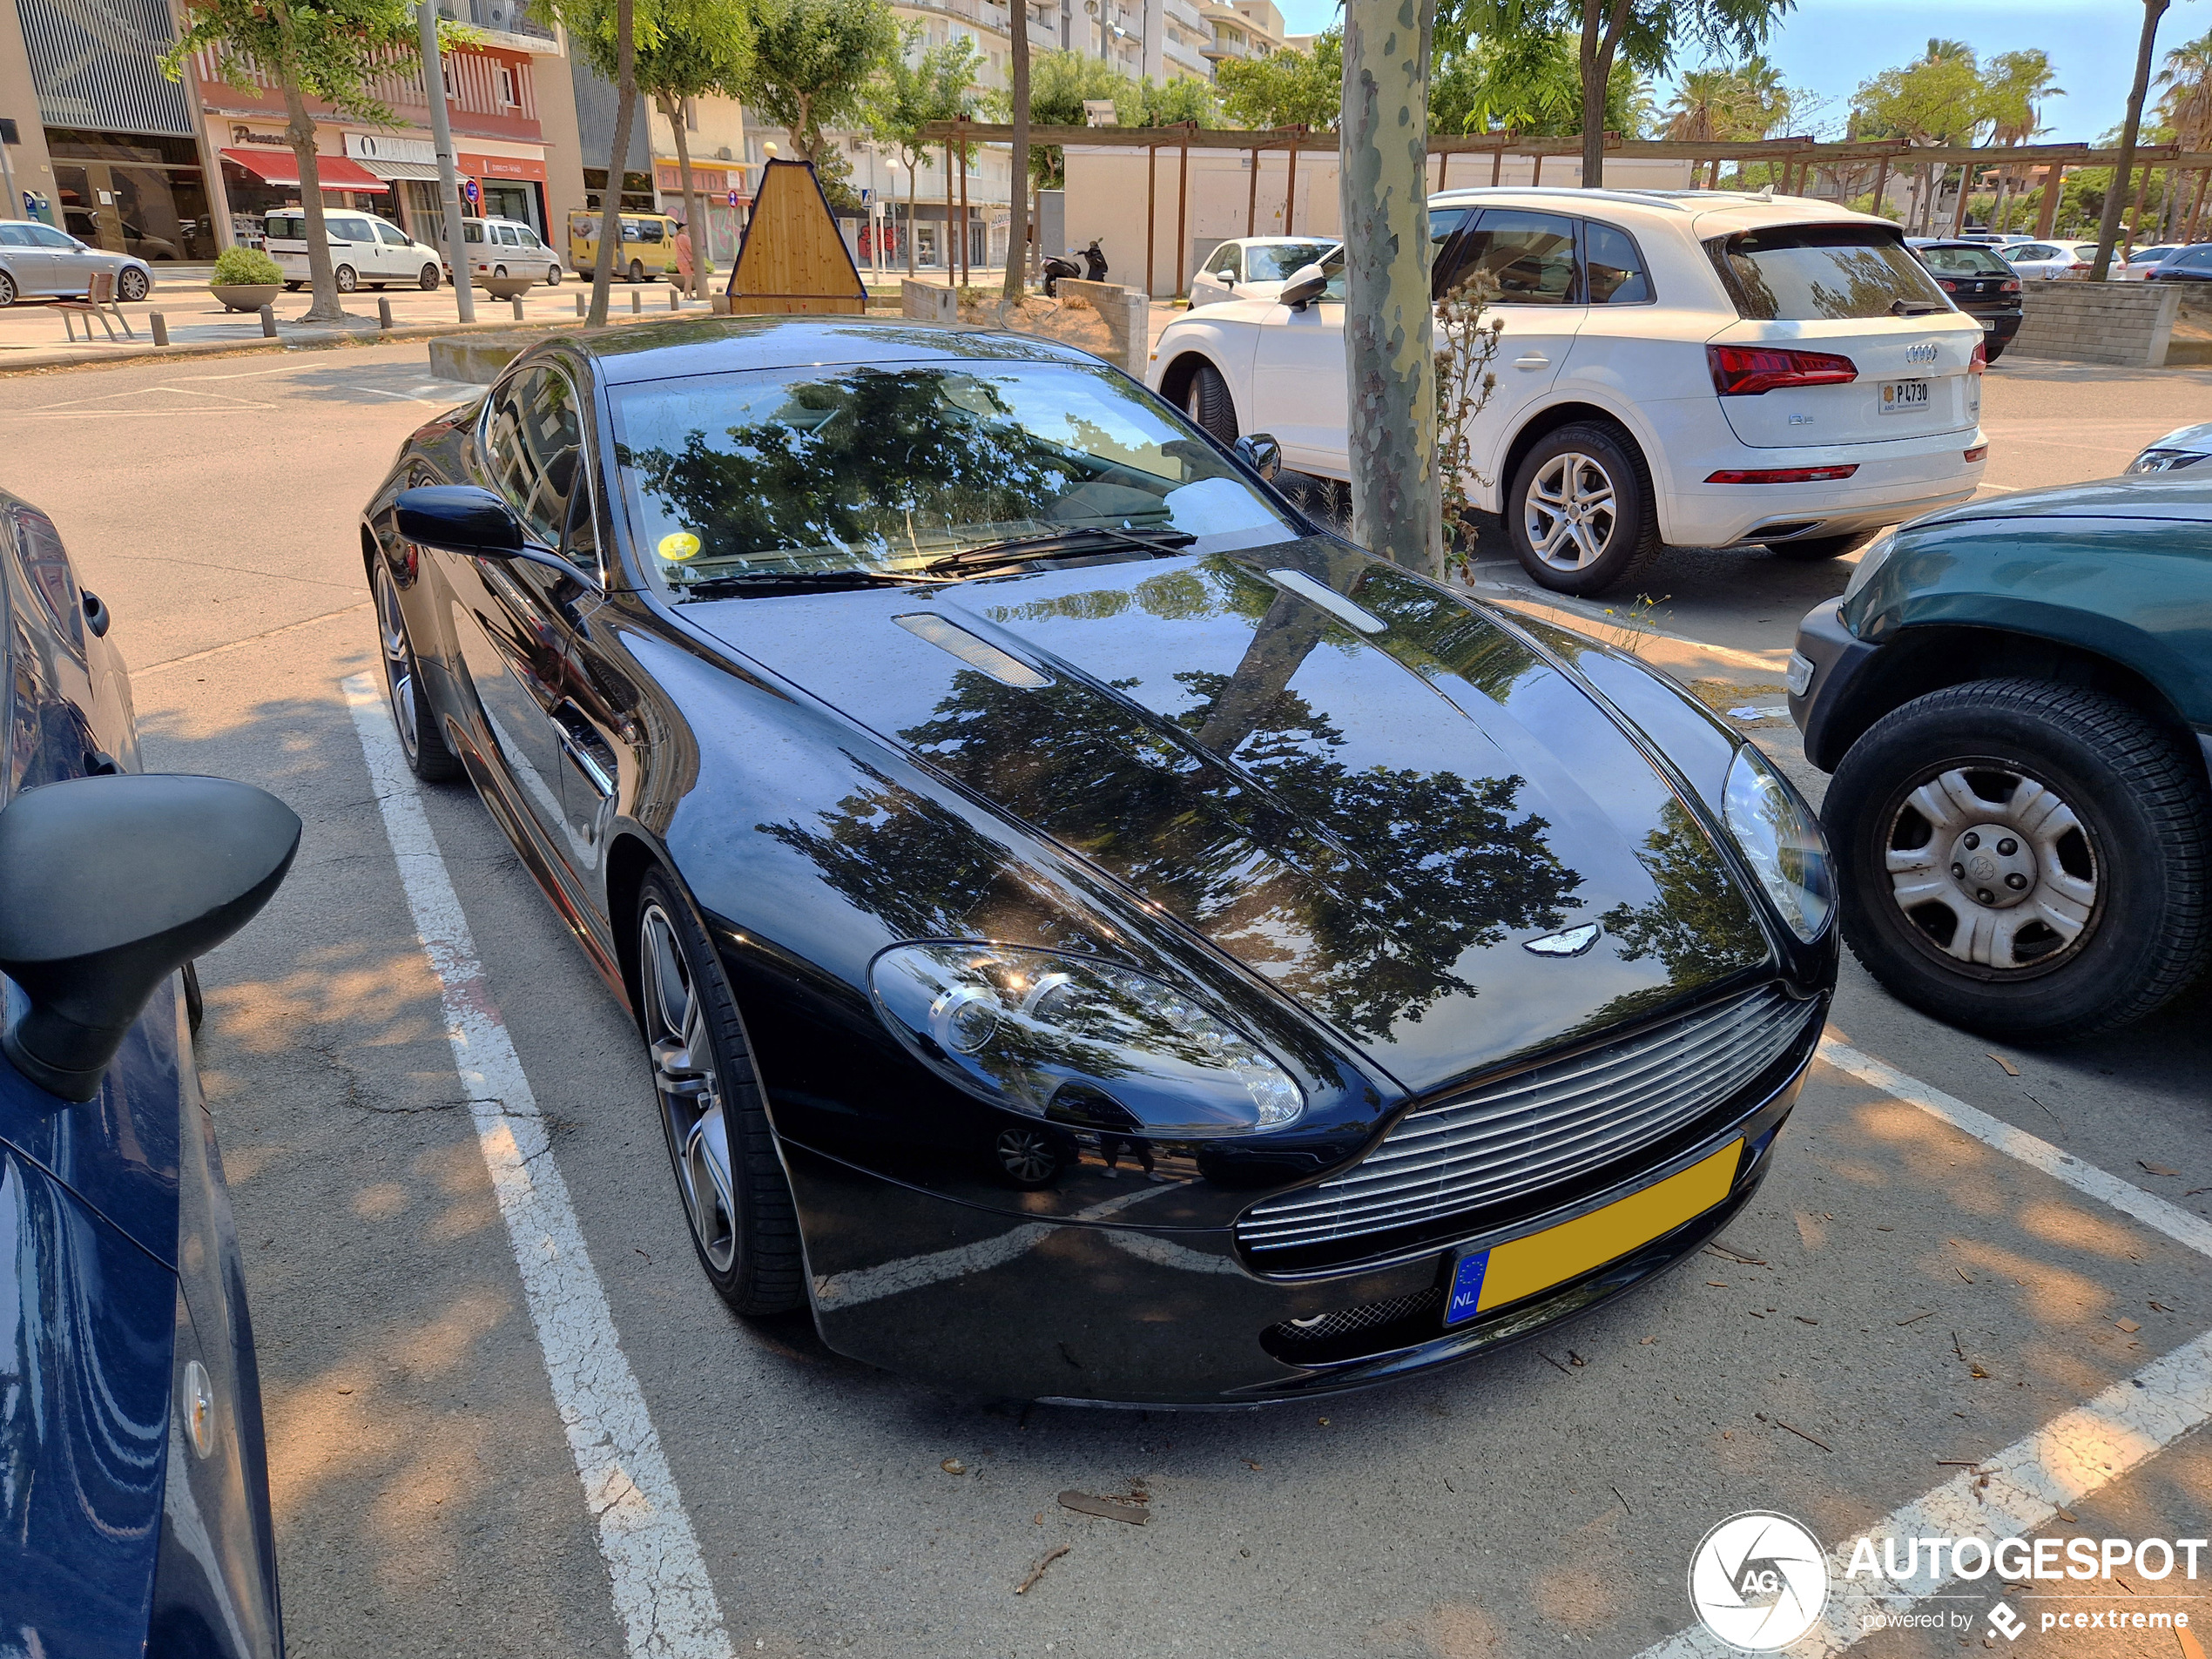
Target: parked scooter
[[1059, 266]]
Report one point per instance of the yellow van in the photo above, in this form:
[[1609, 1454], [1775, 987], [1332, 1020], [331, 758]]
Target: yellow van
[[647, 246]]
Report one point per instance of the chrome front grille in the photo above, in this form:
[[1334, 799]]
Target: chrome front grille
[[1540, 1128]]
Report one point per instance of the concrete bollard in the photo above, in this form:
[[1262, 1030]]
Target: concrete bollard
[[383, 313], [637, 301], [719, 304], [582, 306], [675, 298], [160, 328], [517, 303], [268, 322]]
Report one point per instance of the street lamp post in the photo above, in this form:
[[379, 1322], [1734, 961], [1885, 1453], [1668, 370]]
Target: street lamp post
[[434, 89]]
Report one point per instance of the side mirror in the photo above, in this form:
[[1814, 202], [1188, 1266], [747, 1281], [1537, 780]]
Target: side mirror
[[1228, 277], [1304, 284], [471, 521], [1259, 451], [107, 886]]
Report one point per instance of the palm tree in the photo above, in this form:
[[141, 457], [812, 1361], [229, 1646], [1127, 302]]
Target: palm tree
[[2186, 108], [2018, 84]]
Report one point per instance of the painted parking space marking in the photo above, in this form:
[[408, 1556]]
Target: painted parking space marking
[[2069, 1458], [662, 1594]]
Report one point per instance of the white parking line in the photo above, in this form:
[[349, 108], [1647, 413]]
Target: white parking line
[[661, 1590], [2074, 1456]]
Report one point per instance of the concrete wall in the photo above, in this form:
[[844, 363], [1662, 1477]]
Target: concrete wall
[[1127, 315], [28, 162], [2128, 324], [1107, 190]]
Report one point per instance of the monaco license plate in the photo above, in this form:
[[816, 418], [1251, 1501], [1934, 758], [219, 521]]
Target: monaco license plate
[[1484, 1279], [1905, 397]]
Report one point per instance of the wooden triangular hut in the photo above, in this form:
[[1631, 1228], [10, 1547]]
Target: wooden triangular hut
[[792, 261]]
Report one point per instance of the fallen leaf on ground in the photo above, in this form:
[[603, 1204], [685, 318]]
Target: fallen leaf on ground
[[1717, 1284], [2011, 1070], [952, 1466], [1645, 1342], [1917, 1318], [2156, 1168], [1975, 1370], [1249, 1463], [2066, 1515], [1962, 1273], [1322, 1421], [1576, 1358], [2128, 1326], [1037, 1572], [1106, 1509], [1801, 1319], [2162, 1307]]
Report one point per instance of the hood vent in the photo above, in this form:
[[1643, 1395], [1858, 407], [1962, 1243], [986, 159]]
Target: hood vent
[[975, 651]]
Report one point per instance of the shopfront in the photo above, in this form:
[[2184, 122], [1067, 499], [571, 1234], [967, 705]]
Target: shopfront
[[510, 187], [258, 180], [723, 186], [133, 194]]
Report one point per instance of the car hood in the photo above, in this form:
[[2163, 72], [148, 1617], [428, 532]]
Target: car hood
[[2169, 496], [1377, 822]]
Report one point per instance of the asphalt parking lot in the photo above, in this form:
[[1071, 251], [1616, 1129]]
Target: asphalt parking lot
[[1965, 1264]]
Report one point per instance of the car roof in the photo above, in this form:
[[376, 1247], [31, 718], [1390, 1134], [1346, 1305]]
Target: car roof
[[1707, 212], [640, 352]]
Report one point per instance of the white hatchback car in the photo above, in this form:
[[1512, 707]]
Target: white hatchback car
[[508, 247], [1255, 268], [1694, 367], [365, 250]]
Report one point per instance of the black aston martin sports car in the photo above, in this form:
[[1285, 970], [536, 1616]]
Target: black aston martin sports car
[[1096, 934]]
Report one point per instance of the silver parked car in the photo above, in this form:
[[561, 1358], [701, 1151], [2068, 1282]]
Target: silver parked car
[[38, 262], [2186, 446]]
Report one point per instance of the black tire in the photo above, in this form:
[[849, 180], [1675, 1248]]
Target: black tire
[[428, 279], [1208, 403], [744, 1225], [420, 740], [1595, 466], [347, 279], [1993, 348], [8, 295], [195, 1004], [1030, 1157], [2114, 915], [1813, 549], [133, 284], [636, 270], [291, 287], [552, 276]]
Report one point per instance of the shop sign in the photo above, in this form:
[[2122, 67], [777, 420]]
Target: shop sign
[[241, 134], [379, 146]]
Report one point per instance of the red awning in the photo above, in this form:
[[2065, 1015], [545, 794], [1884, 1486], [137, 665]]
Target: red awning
[[278, 167]]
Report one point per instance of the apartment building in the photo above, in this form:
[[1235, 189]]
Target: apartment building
[[1243, 29], [115, 152]]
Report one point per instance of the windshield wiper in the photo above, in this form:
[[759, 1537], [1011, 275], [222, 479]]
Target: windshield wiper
[[1088, 538], [755, 585]]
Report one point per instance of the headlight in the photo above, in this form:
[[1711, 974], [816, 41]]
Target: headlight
[[1080, 1042], [2157, 460], [1877, 554], [1781, 838]]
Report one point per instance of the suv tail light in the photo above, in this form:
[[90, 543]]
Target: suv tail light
[[1979, 364], [1783, 474], [1746, 371]]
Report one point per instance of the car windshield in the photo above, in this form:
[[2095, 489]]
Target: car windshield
[[887, 467], [1964, 261], [1806, 273], [1272, 262]]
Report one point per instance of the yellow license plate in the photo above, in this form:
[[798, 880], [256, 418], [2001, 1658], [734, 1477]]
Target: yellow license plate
[[1488, 1278]]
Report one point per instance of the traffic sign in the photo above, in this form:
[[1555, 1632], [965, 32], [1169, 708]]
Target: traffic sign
[[733, 198]]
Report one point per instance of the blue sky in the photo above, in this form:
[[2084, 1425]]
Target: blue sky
[[1830, 46]]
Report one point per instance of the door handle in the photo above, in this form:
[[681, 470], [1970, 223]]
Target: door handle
[[1532, 359]]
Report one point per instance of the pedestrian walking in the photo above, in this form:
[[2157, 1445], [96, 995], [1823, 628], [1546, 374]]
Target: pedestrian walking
[[684, 256]]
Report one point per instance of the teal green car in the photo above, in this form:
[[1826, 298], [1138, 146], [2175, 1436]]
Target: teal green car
[[2015, 699]]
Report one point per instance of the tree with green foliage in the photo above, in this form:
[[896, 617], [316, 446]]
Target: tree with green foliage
[[1645, 34], [1017, 171], [1938, 99], [916, 88], [606, 33], [1530, 84], [812, 63], [1727, 102], [1059, 83], [330, 51], [699, 47], [1287, 88]]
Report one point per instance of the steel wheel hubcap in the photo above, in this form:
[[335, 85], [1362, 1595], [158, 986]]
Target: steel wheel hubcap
[[1993, 868], [1570, 512], [1026, 1154], [690, 1095], [399, 659]]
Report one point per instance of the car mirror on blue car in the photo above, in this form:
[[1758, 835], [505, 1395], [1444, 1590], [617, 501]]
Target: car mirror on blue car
[[108, 885], [475, 523]]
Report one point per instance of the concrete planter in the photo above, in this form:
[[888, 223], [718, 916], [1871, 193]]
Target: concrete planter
[[508, 287], [246, 296]]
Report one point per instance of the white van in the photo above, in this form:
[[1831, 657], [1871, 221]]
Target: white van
[[508, 247], [364, 249]]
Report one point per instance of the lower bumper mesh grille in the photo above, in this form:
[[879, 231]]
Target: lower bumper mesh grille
[[1538, 1128]]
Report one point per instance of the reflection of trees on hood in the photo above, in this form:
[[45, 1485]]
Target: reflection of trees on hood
[[1699, 925], [926, 872], [863, 460], [1357, 890]]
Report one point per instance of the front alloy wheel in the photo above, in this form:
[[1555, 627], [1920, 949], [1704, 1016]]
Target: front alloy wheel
[[1571, 511], [2024, 857], [1580, 510], [417, 724], [719, 1144], [133, 284]]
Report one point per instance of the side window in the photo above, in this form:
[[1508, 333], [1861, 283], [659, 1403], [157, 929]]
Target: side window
[[47, 236], [1228, 260], [1519, 258], [534, 435], [1613, 267], [391, 235], [509, 236], [648, 230], [14, 236], [472, 230]]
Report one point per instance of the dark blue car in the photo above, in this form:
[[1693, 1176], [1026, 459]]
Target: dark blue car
[[134, 1510]]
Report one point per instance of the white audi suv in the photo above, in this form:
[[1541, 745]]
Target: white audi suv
[[1687, 368]]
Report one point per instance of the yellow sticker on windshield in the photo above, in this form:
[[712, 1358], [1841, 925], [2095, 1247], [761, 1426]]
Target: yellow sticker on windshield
[[678, 544]]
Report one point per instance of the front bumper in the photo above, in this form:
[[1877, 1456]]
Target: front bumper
[[1836, 658], [1107, 1314]]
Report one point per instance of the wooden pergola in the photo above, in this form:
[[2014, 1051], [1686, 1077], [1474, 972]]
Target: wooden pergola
[[1794, 158]]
